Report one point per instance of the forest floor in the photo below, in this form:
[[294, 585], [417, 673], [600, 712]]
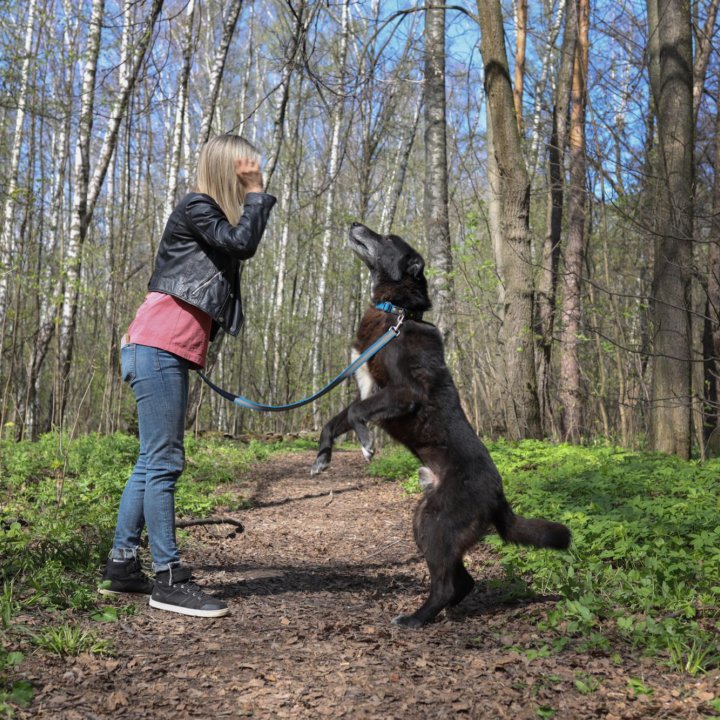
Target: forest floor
[[313, 582]]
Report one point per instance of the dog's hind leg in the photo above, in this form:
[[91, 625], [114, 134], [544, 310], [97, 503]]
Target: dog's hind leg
[[442, 592], [463, 583], [332, 430]]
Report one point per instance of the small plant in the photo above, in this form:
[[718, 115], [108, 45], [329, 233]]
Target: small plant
[[638, 687], [695, 656], [68, 639], [586, 684]]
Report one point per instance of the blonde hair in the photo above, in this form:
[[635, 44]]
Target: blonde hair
[[216, 172]]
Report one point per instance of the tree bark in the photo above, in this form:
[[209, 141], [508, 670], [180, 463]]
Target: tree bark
[[521, 17], [570, 391], [218, 70], [87, 189], [520, 392], [711, 336], [437, 220], [334, 163], [670, 422], [550, 258], [180, 105], [7, 237]]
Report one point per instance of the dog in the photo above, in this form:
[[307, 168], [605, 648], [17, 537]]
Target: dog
[[408, 391]]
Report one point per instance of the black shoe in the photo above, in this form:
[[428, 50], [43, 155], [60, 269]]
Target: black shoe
[[175, 591], [125, 576]]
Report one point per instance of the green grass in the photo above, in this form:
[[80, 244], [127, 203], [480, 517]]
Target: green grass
[[644, 567], [58, 504]]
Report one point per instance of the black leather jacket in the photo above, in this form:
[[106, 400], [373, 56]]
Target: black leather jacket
[[199, 256]]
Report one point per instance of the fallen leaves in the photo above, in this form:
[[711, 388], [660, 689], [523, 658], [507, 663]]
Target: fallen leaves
[[309, 633]]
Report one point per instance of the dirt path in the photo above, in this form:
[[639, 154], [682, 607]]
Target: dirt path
[[323, 566]]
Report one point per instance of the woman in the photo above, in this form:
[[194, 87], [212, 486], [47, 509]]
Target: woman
[[193, 291]]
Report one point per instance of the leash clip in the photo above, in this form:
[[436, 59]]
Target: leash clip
[[401, 319]]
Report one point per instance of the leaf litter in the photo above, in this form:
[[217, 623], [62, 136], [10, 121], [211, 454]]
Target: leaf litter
[[323, 566]]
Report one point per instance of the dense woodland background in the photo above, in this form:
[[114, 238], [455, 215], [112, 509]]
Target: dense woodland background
[[555, 161]]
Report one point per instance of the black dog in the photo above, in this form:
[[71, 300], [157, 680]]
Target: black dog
[[407, 389]]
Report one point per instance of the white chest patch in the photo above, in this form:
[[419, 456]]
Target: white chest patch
[[365, 382]]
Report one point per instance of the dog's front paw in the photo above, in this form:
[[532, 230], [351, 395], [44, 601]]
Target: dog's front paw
[[368, 452], [322, 462], [407, 621]]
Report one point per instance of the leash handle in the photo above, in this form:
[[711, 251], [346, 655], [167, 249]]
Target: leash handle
[[351, 369]]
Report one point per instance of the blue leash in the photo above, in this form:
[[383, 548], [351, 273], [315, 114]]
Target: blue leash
[[374, 349]]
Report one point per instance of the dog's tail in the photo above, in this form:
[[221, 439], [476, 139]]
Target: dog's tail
[[525, 531]]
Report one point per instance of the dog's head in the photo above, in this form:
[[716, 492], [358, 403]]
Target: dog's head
[[396, 269]]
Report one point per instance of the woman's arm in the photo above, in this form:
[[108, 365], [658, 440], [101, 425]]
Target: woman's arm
[[240, 241]]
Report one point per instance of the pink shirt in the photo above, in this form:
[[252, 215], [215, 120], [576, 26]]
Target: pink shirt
[[165, 322]]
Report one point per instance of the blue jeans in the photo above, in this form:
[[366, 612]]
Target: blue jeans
[[159, 381]]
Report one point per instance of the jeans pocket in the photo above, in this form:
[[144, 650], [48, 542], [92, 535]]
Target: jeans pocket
[[127, 362]]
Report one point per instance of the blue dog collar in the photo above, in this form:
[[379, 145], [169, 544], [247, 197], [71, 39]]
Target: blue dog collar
[[388, 307]]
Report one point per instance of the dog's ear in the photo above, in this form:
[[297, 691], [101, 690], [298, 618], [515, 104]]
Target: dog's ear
[[415, 267]]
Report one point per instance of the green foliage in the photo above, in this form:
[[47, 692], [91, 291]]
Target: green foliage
[[58, 505], [396, 464], [70, 640], [52, 543], [645, 560]]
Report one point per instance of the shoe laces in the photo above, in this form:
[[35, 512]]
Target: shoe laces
[[190, 588]]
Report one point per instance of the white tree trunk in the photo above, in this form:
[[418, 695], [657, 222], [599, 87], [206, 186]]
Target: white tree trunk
[[179, 124], [218, 69], [333, 169], [8, 231], [87, 190]]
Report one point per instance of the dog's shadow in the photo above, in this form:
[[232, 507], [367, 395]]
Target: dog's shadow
[[368, 581], [485, 600]]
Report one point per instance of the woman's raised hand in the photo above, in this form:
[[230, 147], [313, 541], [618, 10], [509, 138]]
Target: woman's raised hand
[[248, 173]]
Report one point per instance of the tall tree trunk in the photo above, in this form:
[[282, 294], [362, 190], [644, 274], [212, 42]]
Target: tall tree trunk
[[672, 81], [520, 393], [296, 43], [81, 179], [334, 163], [704, 45], [180, 105], [218, 70], [711, 340], [7, 236], [570, 392], [521, 17], [399, 171], [550, 257], [437, 221], [87, 189]]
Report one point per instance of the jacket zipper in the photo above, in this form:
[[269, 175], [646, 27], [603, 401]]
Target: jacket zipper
[[205, 284]]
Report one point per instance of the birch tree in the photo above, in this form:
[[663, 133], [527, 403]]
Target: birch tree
[[218, 70], [7, 236], [550, 256], [180, 112], [87, 187], [334, 161], [437, 221]]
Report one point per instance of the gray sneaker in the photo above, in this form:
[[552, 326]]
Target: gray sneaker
[[174, 591]]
